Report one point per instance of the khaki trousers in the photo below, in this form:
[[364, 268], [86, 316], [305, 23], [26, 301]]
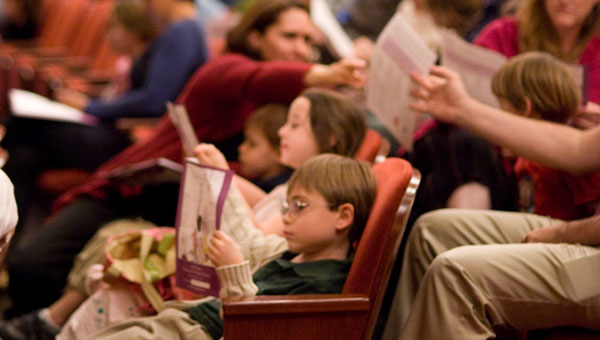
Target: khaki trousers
[[169, 324], [484, 278]]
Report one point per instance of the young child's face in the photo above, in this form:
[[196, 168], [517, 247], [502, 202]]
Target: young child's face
[[298, 143], [257, 157], [309, 224]]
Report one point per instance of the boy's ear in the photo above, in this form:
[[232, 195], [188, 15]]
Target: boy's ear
[[528, 112], [345, 217]]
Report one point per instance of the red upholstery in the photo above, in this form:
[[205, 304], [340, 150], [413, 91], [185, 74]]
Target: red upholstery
[[352, 314], [370, 146]]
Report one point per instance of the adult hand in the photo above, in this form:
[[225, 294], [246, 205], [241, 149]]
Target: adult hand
[[550, 234], [72, 98], [441, 94], [350, 72], [208, 154], [363, 48], [222, 251]]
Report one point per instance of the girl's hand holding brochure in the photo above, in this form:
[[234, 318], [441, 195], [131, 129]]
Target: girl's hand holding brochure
[[209, 155]]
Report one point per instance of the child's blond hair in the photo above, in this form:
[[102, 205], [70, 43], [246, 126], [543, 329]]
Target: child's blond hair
[[339, 180], [543, 79]]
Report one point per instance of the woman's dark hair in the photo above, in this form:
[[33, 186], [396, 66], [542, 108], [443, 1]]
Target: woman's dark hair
[[259, 17]]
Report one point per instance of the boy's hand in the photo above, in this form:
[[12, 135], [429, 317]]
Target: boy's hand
[[222, 251], [208, 154]]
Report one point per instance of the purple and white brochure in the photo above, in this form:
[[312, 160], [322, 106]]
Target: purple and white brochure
[[201, 199]]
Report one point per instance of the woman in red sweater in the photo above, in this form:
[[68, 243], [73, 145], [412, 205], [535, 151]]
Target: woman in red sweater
[[569, 30], [266, 62]]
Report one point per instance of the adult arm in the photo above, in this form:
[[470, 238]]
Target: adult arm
[[585, 232], [176, 55], [235, 77], [442, 94]]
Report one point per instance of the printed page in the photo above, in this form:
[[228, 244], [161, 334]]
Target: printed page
[[581, 76], [325, 20], [179, 117], [201, 199], [30, 105], [475, 64], [399, 51]]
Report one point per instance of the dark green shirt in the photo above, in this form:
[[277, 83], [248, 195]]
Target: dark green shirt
[[282, 277]]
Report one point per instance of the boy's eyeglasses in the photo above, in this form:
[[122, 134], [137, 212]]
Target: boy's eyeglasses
[[295, 207]]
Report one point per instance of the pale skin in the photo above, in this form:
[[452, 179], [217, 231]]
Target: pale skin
[[442, 94], [315, 233]]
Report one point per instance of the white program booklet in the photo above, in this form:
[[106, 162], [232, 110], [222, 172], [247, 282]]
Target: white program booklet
[[201, 199], [325, 20], [30, 105], [179, 117], [399, 51], [477, 65]]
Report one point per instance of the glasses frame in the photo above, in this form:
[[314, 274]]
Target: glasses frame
[[295, 208]]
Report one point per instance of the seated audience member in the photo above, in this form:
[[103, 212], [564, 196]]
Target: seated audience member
[[328, 202], [506, 270], [259, 152], [263, 66], [542, 190], [459, 170], [158, 75], [19, 19], [324, 123], [569, 31], [327, 114]]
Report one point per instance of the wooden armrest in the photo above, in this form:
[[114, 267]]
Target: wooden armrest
[[328, 316], [293, 304]]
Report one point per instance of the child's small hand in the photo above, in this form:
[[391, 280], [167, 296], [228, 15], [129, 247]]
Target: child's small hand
[[208, 154], [222, 251]]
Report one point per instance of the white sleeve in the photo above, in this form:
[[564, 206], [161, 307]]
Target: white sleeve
[[8, 206]]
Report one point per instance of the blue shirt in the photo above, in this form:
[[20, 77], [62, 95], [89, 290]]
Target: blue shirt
[[174, 57]]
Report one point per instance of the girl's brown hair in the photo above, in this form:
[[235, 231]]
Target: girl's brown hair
[[536, 32], [339, 180], [543, 79], [337, 123], [259, 17]]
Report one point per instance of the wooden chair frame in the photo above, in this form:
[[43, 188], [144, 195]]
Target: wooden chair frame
[[327, 316]]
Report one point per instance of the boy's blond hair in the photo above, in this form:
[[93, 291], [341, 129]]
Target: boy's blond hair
[[339, 180], [543, 79], [268, 119]]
